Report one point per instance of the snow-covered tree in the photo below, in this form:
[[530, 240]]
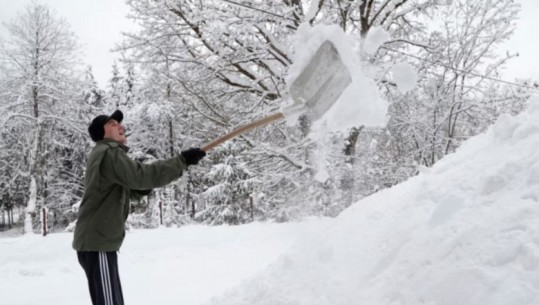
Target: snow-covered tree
[[115, 88], [38, 60], [455, 97], [207, 67]]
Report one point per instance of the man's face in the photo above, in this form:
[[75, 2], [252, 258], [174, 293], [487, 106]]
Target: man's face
[[115, 131]]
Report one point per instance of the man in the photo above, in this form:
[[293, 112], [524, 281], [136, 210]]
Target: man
[[110, 180]]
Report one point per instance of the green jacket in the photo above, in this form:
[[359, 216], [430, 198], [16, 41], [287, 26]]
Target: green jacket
[[111, 178]]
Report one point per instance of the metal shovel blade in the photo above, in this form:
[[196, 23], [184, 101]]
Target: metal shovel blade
[[321, 82]]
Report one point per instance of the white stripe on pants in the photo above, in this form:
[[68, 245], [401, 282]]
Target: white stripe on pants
[[105, 278], [101, 270]]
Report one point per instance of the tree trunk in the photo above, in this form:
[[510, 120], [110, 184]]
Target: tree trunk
[[351, 141], [3, 224], [31, 207], [188, 201], [348, 178], [10, 218]]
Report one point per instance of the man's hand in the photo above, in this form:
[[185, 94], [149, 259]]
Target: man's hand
[[193, 155]]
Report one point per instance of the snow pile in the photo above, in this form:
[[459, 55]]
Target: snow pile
[[464, 232]]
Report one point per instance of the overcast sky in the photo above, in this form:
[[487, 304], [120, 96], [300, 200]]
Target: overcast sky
[[99, 24], [525, 41]]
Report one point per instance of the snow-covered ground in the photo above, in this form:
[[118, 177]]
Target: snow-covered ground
[[188, 265]]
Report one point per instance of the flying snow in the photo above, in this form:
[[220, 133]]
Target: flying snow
[[404, 76], [375, 38], [360, 103]]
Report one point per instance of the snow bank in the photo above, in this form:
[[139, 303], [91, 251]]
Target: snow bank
[[464, 232]]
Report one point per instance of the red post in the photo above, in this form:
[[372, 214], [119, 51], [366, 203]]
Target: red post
[[44, 213]]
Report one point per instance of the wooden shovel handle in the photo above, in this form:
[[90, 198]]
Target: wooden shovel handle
[[238, 131]]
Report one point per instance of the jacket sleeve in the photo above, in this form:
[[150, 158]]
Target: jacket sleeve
[[118, 168]]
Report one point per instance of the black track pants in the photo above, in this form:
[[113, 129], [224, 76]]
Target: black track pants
[[101, 269]]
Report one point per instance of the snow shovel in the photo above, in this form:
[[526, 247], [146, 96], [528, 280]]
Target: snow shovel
[[313, 92]]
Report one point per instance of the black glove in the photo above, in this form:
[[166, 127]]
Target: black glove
[[193, 155]]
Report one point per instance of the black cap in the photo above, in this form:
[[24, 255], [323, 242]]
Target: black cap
[[96, 130]]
